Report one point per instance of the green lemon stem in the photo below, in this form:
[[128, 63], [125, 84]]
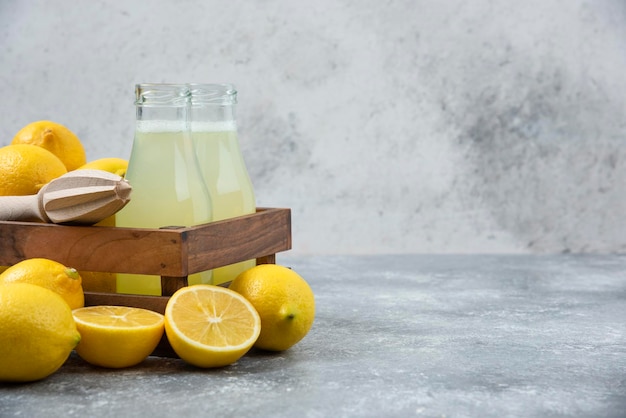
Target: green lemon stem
[[72, 273]]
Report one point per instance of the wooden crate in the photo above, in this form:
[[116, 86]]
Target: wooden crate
[[170, 252]]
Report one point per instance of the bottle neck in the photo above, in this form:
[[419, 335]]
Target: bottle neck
[[213, 104], [163, 103]]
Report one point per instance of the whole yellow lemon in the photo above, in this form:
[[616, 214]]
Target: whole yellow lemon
[[65, 281], [111, 164], [284, 301], [37, 332], [24, 169], [57, 139]]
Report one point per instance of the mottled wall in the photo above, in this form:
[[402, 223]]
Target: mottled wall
[[396, 126]]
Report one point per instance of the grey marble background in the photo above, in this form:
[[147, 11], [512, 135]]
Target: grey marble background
[[387, 126]]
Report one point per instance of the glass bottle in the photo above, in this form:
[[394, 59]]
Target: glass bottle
[[168, 189], [214, 134]]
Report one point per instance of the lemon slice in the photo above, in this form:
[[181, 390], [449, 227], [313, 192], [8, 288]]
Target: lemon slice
[[210, 326], [117, 336]]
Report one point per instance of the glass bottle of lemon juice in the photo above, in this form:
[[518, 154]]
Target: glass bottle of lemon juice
[[168, 189], [214, 134]]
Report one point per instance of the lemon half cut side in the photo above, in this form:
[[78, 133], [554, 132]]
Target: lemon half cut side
[[117, 336], [210, 326]]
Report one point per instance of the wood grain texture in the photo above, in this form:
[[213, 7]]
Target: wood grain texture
[[94, 248], [173, 252], [246, 237]]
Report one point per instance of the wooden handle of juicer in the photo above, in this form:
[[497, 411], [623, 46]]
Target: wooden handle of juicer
[[22, 208]]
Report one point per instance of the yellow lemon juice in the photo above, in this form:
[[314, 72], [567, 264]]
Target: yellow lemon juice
[[224, 172], [164, 194]]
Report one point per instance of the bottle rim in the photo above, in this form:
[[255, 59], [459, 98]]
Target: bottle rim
[[221, 94], [162, 94]]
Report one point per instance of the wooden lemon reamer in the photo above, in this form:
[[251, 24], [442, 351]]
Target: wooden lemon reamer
[[79, 197]]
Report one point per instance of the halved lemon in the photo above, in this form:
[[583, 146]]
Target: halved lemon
[[210, 326], [117, 336]]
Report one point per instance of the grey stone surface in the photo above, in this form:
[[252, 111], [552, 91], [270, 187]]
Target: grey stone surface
[[444, 126], [396, 336]]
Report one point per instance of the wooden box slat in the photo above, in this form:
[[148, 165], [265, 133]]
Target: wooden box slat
[[226, 242], [174, 252]]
